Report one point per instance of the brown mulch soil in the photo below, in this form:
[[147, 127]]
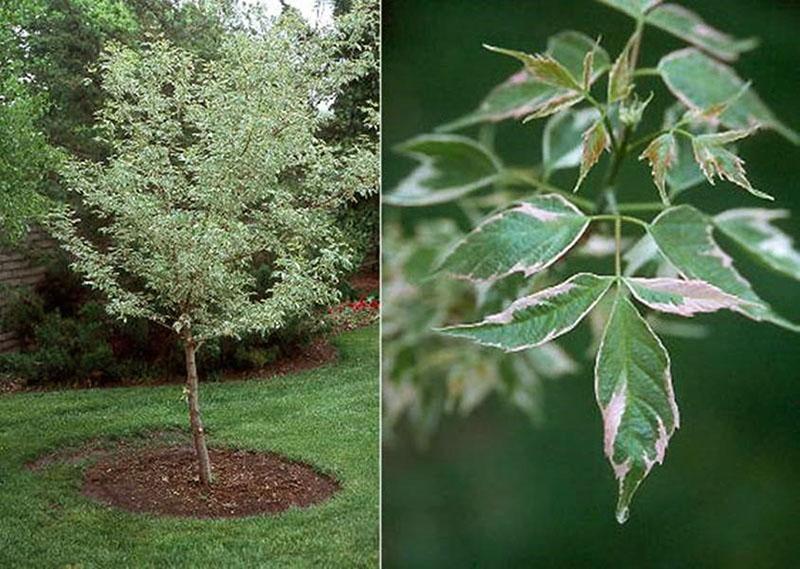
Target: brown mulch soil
[[164, 481]]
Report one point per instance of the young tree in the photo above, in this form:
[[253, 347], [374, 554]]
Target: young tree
[[215, 166]]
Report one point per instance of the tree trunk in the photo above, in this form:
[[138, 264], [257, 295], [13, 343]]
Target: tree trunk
[[198, 434]]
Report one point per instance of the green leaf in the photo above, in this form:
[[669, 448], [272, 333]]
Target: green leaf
[[691, 28], [700, 83], [633, 8], [560, 102], [681, 297], [715, 160], [450, 167], [684, 237], [522, 95], [543, 68], [620, 78], [633, 386], [536, 319], [562, 141], [662, 154], [686, 25], [526, 238], [595, 140], [753, 230]]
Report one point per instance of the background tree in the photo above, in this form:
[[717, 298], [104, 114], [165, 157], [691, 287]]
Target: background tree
[[48, 89], [216, 166], [24, 152]]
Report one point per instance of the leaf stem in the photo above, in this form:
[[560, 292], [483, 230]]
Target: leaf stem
[[604, 116], [647, 72], [646, 138], [618, 250], [613, 217], [640, 206], [617, 159]]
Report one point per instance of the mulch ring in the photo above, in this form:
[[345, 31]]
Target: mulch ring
[[163, 480]]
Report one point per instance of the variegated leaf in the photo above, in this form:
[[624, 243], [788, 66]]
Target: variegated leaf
[[536, 319], [715, 160], [701, 83], [662, 154], [634, 8], [753, 229], [526, 238], [620, 78], [595, 140], [684, 237], [562, 141], [559, 102], [543, 68], [633, 387], [521, 95], [450, 167], [691, 28], [686, 25], [681, 297]]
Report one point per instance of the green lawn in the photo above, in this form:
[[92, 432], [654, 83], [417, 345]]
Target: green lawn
[[327, 417]]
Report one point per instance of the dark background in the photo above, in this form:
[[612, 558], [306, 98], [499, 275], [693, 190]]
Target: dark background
[[494, 490]]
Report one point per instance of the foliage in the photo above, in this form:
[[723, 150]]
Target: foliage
[[428, 375], [202, 179], [25, 154], [526, 235], [67, 339], [49, 89]]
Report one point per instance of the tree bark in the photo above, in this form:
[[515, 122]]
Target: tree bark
[[198, 434]]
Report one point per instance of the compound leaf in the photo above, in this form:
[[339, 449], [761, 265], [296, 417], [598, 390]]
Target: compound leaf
[[681, 297], [753, 230], [633, 387], [521, 95], [450, 167], [534, 320], [716, 160], [684, 237], [526, 238], [701, 83]]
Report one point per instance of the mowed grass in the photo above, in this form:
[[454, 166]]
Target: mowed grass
[[328, 417]]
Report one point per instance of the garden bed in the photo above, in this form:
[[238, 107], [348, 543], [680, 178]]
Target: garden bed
[[164, 481]]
